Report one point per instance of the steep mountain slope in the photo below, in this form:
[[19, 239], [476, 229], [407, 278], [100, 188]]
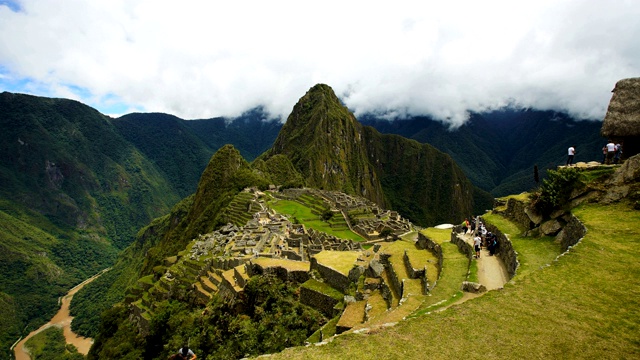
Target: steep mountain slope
[[181, 148], [170, 144], [73, 193], [324, 142], [334, 151], [252, 133], [497, 150], [226, 174]]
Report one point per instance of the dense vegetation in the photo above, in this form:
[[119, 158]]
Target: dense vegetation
[[333, 151], [497, 150], [267, 319], [50, 344]]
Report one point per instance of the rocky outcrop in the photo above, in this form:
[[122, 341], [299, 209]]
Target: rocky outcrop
[[472, 287], [571, 233]]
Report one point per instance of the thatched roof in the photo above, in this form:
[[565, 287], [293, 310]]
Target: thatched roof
[[623, 115]]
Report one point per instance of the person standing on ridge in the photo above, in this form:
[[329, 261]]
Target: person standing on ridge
[[571, 152]]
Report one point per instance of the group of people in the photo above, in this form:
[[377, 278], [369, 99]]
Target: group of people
[[611, 153], [482, 238]]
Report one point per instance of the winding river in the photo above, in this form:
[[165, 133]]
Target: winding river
[[61, 319]]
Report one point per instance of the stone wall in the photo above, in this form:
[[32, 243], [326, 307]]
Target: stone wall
[[463, 246], [571, 233], [317, 300], [297, 276], [331, 276], [393, 277], [425, 243], [411, 271], [518, 211], [505, 250]]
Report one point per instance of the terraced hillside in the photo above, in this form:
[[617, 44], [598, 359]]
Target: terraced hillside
[[344, 282]]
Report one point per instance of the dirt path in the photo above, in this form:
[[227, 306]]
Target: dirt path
[[491, 270], [61, 319]]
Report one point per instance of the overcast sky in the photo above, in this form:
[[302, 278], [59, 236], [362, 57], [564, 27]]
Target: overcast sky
[[202, 59]]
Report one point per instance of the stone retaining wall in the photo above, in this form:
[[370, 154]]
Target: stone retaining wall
[[393, 277], [571, 233], [517, 212], [425, 243], [297, 276], [463, 246], [505, 249], [331, 276], [317, 300]]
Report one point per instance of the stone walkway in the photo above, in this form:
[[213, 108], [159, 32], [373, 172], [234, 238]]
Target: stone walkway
[[491, 270]]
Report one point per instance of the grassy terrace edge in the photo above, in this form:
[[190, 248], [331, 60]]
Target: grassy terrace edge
[[585, 304]]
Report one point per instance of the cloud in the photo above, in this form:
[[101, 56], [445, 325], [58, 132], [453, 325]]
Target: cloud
[[200, 59]]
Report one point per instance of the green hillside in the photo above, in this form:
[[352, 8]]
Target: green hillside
[[497, 150], [333, 151], [584, 305], [73, 193]]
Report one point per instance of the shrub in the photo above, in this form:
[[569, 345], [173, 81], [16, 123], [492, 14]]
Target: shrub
[[556, 190]]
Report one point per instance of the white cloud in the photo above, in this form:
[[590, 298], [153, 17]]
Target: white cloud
[[199, 59]]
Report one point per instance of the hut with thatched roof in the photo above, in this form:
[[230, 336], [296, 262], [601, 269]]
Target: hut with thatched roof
[[622, 122]]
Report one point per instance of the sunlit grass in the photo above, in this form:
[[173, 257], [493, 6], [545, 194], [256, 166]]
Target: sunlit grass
[[306, 217], [585, 305]]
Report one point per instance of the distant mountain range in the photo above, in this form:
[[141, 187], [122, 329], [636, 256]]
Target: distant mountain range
[[498, 150]]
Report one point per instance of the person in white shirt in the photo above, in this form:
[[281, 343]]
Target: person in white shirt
[[477, 241], [571, 153], [611, 150]]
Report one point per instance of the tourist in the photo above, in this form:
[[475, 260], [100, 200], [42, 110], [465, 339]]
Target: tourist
[[483, 235], [184, 353], [611, 149], [476, 245], [465, 226], [604, 154], [493, 244], [571, 153], [618, 154]]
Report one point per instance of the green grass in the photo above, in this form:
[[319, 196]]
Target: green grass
[[438, 235], [305, 216], [341, 261], [585, 305], [51, 344], [533, 253], [323, 288]]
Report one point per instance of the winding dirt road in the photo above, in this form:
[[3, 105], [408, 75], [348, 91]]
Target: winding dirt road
[[61, 319]]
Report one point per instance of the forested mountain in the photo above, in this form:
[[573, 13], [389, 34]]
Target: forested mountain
[[497, 150], [73, 193], [333, 151], [76, 186]]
